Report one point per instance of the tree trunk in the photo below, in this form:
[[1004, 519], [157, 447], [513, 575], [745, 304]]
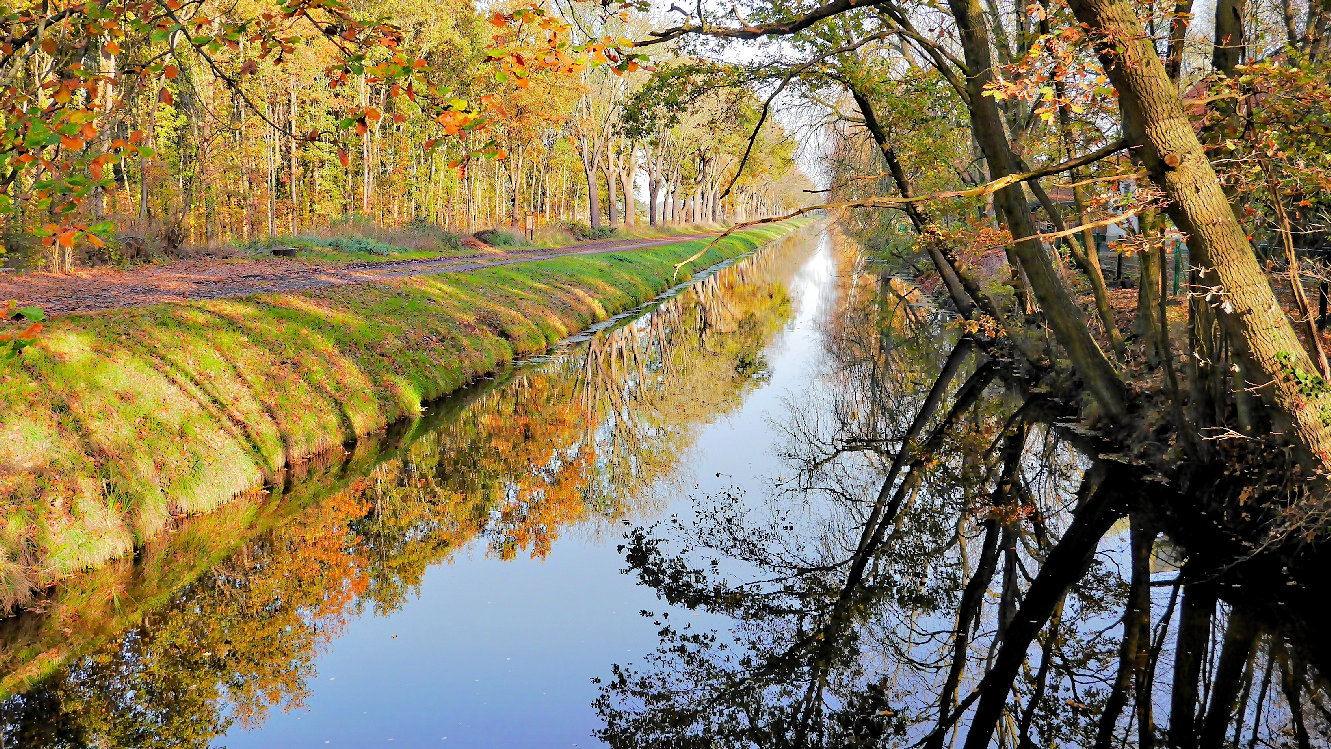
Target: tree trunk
[[1165, 143], [653, 200], [295, 164], [1230, 43], [593, 195], [1063, 315], [612, 194], [629, 175]]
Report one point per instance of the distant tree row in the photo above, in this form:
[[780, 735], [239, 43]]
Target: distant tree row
[[199, 122]]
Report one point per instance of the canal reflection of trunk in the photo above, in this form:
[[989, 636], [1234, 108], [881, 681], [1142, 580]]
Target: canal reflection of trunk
[[969, 575]]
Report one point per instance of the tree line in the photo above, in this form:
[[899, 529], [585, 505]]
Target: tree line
[[193, 123]]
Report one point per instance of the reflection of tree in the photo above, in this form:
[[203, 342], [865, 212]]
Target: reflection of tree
[[960, 582], [578, 437]]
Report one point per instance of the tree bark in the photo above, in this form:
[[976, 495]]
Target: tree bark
[[593, 197]]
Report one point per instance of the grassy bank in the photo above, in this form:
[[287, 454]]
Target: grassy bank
[[117, 422]]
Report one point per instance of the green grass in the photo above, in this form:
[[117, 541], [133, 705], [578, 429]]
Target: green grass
[[317, 253], [114, 423]]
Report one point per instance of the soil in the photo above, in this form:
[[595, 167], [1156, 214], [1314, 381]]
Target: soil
[[92, 290]]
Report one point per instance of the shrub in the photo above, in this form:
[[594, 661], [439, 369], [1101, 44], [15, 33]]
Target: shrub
[[360, 244], [586, 233], [497, 238]]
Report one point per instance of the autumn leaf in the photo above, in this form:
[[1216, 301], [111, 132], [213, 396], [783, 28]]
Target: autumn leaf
[[343, 158]]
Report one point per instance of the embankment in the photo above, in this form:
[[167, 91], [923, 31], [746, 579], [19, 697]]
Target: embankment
[[117, 422]]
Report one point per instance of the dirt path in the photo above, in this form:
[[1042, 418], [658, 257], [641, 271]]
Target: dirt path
[[101, 289]]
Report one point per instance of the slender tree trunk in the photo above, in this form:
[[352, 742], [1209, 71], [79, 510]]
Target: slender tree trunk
[[295, 164], [612, 194], [629, 176], [1063, 315], [1133, 648], [653, 200], [1240, 639]]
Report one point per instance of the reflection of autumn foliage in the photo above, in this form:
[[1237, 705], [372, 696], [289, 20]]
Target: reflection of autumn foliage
[[579, 437]]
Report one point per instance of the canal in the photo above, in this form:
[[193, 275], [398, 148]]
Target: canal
[[791, 504]]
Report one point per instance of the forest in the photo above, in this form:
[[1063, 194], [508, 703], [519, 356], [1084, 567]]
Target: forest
[[136, 131]]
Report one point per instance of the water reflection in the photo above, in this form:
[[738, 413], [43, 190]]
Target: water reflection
[[948, 568], [219, 626]]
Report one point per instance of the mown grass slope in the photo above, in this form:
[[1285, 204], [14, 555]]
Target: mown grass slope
[[119, 421]]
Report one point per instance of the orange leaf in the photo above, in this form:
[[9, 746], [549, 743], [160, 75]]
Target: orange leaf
[[343, 157], [165, 97], [112, 48], [171, 71], [66, 238], [48, 46], [73, 143]]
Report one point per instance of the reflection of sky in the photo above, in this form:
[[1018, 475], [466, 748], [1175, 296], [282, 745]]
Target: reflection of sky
[[495, 653]]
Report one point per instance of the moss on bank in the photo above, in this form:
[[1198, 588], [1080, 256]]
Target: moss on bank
[[119, 421]]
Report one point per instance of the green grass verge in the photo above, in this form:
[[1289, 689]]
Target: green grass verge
[[119, 421]]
